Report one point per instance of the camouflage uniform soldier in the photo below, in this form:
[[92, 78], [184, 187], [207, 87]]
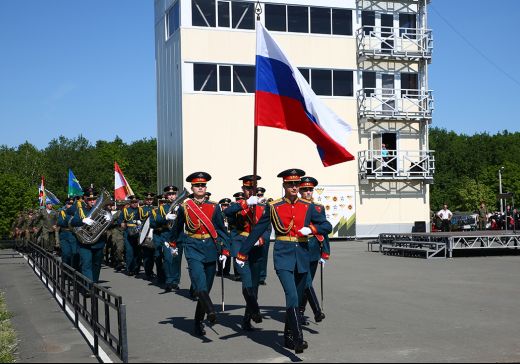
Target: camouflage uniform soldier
[[118, 240], [46, 222], [28, 229], [482, 216]]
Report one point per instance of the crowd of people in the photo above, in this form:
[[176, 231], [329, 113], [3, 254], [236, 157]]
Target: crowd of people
[[484, 219], [213, 237]]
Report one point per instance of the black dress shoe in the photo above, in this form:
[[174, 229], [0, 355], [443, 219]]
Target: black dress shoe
[[262, 283], [175, 287], [168, 288]]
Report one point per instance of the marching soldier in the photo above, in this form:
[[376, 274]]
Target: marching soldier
[[91, 256], [239, 196], [224, 204], [260, 193], [46, 222], [294, 220], [205, 242], [130, 223], [18, 230], [243, 216], [171, 252], [161, 236], [319, 250], [68, 241], [118, 237], [148, 254], [28, 228]]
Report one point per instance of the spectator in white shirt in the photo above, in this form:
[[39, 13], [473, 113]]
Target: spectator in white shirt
[[445, 215]]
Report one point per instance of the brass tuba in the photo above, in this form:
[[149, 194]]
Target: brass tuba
[[89, 235]]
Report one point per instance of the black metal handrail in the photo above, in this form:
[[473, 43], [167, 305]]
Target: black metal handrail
[[85, 299]]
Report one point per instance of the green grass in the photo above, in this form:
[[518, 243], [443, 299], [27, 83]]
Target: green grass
[[7, 334]]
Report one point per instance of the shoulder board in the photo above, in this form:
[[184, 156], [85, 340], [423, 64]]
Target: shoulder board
[[212, 202], [318, 204], [272, 203], [304, 201]]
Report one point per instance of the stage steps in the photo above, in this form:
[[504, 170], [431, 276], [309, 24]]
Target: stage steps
[[413, 248]]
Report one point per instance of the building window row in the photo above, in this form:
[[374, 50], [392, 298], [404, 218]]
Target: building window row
[[224, 78], [330, 82], [407, 23], [283, 18], [242, 79]]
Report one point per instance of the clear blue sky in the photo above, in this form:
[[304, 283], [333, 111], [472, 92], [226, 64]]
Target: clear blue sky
[[87, 67]]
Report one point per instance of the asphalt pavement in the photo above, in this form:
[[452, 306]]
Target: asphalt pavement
[[379, 309]]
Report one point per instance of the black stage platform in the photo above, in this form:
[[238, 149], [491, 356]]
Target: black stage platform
[[442, 244]]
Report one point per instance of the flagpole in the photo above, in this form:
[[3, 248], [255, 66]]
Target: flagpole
[[258, 11]]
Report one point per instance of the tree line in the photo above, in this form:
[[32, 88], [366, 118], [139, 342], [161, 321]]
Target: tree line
[[466, 169], [21, 169]]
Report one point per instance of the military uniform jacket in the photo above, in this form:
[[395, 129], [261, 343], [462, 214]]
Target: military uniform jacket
[[130, 217], [47, 220], [159, 224], [77, 221], [63, 219], [319, 249], [242, 218], [291, 250], [198, 243]]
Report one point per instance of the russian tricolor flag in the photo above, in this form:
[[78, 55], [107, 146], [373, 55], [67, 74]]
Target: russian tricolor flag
[[285, 100]]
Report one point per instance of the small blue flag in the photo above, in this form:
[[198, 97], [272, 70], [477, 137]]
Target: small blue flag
[[74, 186]]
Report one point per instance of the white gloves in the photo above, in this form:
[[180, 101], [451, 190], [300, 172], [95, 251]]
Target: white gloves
[[257, 243], [174, 251], [240, 263], [108, 216], [223, 259], [170, 217], [253, 200], [322, 261], [88, 221], [305, 231], [138, 222]]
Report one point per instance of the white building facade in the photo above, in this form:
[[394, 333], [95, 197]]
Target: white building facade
[[367, 60]]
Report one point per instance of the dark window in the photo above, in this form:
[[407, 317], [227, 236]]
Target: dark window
[[341, 22], [321, 82], [409, 22], [225, 78], [320, 21], [276, 17], [343, 83], [205, 77], [369, 82], [203, 13], [409, 81], [298, 17], [306, 74], [387, 32], [243, 15], [223, 14], [368, 21], [173, 19], [244, 79]]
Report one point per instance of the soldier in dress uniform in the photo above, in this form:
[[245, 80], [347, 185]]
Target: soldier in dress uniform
[[224, 204], [260, 193], [148, 254], [130, 222], [68, 241], [243, 216], [294, 220], [208, 196], [172, 251], [91, 255], [205, 241], [319, 250], [236, 275], [161, 236]]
